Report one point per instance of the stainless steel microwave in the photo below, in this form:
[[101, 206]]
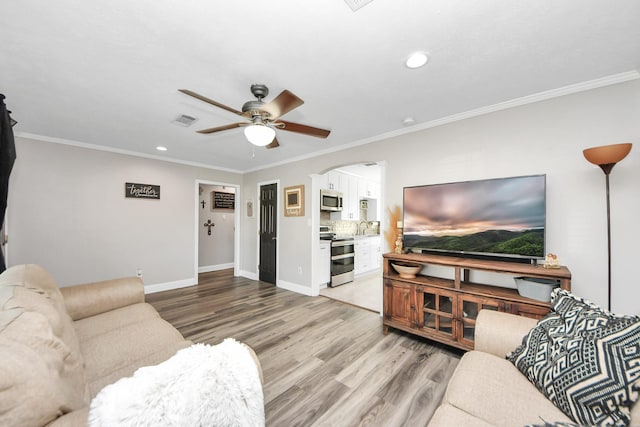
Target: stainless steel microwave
[[330, 200]]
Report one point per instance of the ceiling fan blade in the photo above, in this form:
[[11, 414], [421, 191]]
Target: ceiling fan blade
[[282, 104], [221, 128], [273, 144], [304, 129], [210, 101]]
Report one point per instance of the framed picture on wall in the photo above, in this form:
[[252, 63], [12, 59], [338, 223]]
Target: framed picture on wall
[[294, 201]]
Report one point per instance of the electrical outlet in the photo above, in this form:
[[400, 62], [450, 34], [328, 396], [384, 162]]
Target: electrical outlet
[[139, 272]]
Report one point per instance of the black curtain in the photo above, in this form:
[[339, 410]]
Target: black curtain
[[7, 158]]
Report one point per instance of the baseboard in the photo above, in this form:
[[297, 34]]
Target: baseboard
[[294, 287], [248, 274], [159, 287], [289, 286], [209, 268]]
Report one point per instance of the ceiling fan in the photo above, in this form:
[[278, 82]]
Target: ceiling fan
[[263, 117]]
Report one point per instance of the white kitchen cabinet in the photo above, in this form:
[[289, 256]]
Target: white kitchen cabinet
[[362, 256], [367, 254], [348, 186], [323, 266], [350, 201], [334, 181], [368, 189], [376, 252]]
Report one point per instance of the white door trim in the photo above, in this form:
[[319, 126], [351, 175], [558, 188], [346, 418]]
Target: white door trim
[[236, 223]]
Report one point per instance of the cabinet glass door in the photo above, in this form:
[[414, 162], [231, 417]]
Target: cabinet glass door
[[438, 312], [470, 306]]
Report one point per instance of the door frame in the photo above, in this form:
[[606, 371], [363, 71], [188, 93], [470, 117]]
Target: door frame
[[258, 210], [236, 225]]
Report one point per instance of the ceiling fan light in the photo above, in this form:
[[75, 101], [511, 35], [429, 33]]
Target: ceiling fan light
[[259, 134]]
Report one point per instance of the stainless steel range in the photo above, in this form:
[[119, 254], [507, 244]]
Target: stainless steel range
[[342, 260]]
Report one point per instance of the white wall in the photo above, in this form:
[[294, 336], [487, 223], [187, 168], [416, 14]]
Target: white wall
[[215, 251], [67, 212], [546, 137]]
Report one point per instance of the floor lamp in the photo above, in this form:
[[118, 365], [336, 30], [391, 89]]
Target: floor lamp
[[606, 157]]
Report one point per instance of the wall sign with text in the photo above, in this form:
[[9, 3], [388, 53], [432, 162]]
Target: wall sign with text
[[220, 200], [141, 191]]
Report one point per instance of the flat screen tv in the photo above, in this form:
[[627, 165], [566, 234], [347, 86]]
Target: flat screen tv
[[503, 217]]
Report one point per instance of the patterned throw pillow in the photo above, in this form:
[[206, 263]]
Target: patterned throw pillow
[[554, 424], [584, 359]]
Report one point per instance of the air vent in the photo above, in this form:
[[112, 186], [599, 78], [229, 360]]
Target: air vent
[[357, 4], [184, 120]]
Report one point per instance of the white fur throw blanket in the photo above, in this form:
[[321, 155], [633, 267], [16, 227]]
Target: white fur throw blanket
[[201, 385]]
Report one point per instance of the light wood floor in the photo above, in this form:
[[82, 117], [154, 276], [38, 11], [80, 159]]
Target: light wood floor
[[364, 291], [325, 363]]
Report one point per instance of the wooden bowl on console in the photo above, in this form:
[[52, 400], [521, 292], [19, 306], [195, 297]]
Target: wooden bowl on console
[[407, 271]]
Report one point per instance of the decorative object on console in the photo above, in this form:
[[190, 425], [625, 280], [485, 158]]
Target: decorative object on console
[[391, 234], [606, 157], [584, 359], [398, 249], [535, 287], [407, 271], [551, 261]]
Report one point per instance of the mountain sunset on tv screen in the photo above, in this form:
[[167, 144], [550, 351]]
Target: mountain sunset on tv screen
[[502, 217]]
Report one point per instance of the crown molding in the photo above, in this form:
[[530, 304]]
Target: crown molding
[[121, 151]]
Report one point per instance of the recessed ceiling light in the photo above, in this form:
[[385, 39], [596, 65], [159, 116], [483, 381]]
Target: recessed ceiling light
[[160, 148], [408, 121], [416, 60]]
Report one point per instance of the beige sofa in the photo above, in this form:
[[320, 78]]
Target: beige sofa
[[487, 390], [60, 346]]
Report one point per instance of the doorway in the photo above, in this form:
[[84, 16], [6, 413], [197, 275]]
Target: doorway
[[268, 232], [216, 227], [363, 189]]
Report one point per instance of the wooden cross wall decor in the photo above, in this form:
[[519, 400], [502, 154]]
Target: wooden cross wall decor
[[209, 224]]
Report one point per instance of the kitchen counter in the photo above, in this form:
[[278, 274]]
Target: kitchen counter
[[354, 237]]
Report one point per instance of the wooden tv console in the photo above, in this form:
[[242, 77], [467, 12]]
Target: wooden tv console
[[445, 310]]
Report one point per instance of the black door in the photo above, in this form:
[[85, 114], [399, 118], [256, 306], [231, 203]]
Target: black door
[[268, 212]]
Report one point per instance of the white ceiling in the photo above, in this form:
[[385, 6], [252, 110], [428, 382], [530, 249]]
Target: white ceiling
[[107, 73]]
